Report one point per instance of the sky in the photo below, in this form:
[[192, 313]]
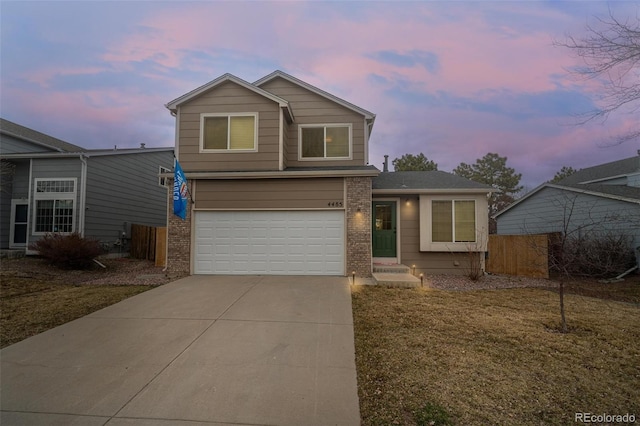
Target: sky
[[453, 80]]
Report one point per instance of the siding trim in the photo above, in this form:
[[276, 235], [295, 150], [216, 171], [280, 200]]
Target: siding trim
[[281, 140]]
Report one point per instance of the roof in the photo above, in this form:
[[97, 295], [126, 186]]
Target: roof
[[586, 181], [174, 104], [600, 172], [21, 132], [412, 181], [281, 74], [87, 153]]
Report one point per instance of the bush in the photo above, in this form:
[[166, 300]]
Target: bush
[[69, 251], [603, 255]]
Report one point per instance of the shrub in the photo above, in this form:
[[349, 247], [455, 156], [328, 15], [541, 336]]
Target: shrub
[[69, 251], [596, 255]]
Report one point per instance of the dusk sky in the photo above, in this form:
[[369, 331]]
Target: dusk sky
[[453, 80]]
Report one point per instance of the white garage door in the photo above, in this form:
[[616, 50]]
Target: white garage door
[[270, 243]]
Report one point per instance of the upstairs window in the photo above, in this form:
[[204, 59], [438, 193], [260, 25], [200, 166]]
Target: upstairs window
[[330, 141], [54, 205], [228, 132]]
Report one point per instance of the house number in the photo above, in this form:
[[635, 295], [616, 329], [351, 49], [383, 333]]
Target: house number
[[335, 204]]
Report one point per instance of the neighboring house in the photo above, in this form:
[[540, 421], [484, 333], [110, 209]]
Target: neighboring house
[[279, 178], [601, 199], [55, 186]]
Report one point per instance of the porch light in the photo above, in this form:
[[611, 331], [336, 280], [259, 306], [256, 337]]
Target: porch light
[[353, 277], [413, 267], [421, 280]]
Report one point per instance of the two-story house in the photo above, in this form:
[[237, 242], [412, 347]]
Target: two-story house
[[279, 180], [52, 186]]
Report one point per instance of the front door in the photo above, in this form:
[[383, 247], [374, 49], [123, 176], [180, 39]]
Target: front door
[[19, 217], [384, 229]]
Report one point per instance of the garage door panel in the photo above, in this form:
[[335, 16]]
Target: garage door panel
[[287, 243]]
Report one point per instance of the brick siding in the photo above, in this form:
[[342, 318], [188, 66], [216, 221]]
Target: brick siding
[[359, 226]]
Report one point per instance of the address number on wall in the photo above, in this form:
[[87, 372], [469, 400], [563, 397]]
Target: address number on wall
[[334, 203]]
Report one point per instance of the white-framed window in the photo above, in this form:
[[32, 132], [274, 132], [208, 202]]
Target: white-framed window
[[162, 181], [453, 223], [324, 141], [54, 205], [229, 132]]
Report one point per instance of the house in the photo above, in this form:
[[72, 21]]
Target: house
[[49, 185], [603, 199], [280, 183]]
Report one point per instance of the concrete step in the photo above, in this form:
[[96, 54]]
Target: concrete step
[[395, 279], [391, 269]]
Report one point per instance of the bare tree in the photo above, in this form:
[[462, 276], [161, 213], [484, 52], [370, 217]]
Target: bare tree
[[587, 240], [610, 51], [7, 169]]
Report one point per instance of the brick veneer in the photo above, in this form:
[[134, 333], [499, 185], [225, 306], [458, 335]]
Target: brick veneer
[[179, 244], [359, 226]]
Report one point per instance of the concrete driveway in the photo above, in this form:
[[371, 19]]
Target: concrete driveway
[[214, 350]]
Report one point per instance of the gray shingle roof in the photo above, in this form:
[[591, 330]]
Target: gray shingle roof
[[424, 180], [28, 134], [615, 168]]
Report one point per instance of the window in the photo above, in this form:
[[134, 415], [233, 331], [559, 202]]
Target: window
[[162, 181], [326, 142], [453, 221], [228, 132], [54, 205]]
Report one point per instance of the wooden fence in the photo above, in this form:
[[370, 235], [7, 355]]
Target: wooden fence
[[521, 255], [149, 242]]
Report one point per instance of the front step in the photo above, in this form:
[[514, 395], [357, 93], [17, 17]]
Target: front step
[[390, 269], [396, 279]]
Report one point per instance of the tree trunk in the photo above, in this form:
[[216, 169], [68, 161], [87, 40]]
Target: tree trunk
[[564, 321]]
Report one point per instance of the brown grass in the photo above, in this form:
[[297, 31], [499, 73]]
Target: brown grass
[[493, 356], [35, 297]]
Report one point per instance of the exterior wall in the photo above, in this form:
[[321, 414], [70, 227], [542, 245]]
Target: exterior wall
[[11, 145], [550, 208], [358, 225], [229, 98], [311, 108], [124, 189], [428, 263], [270, 194]]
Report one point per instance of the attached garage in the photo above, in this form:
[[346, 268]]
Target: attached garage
[[270, 242]]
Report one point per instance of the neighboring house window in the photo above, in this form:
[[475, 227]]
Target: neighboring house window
[[329, 141], [229, 132], [162, 181], [453, 221], [54, 205]]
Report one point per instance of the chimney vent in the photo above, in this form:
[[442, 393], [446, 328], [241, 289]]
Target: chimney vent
[[142, 145], [385, 166]]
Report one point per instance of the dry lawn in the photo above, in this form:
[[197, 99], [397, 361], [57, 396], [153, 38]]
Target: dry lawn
[[35, 297], [483, 357]]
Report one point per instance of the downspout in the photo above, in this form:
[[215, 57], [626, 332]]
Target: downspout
[[83, 194], [30, 207]]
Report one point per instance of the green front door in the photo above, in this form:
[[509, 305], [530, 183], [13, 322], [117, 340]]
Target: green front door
[[383, 229]]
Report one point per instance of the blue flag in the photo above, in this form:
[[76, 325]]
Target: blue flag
[[180, 192]]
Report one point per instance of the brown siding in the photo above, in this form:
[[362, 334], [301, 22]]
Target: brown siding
[[428, 263], [228, 98], [270, 194], [311, 108]]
